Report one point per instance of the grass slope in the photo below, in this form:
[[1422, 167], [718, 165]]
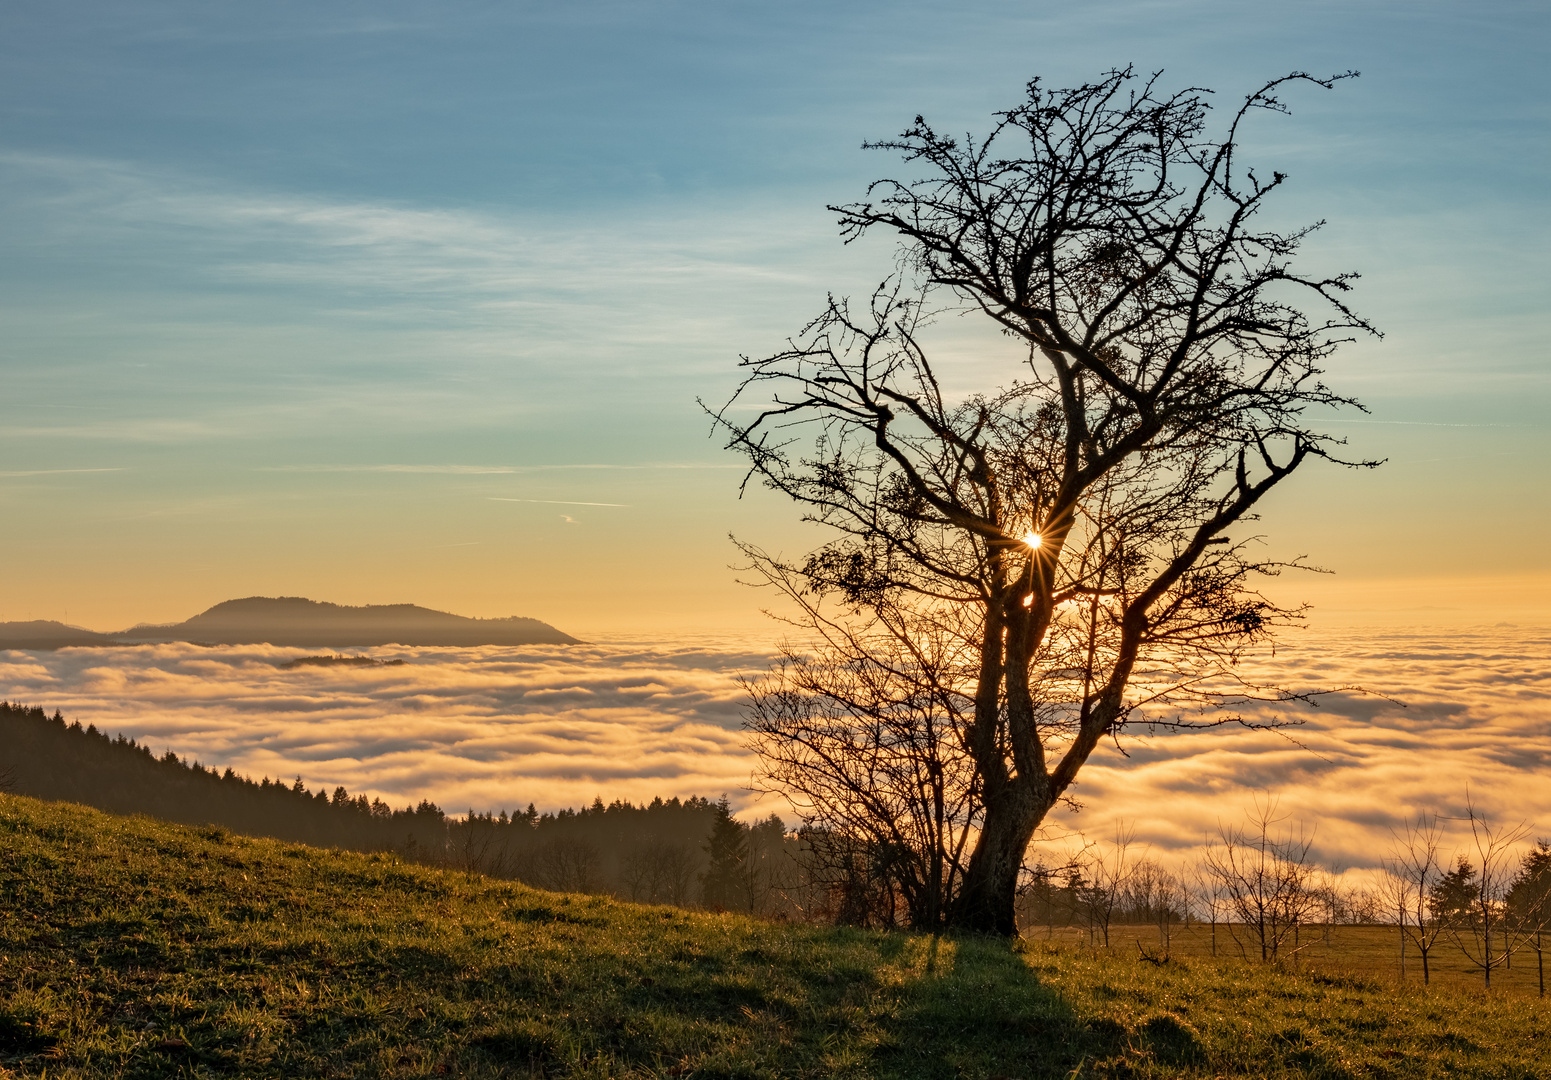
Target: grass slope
[[130, 947]]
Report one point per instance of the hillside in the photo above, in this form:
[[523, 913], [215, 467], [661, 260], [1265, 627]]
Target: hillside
[[132, 948], [297, 622], [655, 851], [47, 634]]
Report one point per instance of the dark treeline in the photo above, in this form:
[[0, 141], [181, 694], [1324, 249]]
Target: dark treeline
[[687, 852], [48, 758]]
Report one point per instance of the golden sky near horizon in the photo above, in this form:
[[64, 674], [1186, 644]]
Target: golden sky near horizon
[[417, 308]]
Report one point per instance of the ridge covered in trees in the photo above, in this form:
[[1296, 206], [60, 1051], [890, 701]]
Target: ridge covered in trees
[[684, 852]]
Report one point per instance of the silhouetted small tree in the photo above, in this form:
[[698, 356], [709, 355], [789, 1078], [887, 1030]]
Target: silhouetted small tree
[[1102, 890], [658, 872], [726, 885], [1039, 897], [1469, 901], [1154, 895], [865, 742], [1414, 877]]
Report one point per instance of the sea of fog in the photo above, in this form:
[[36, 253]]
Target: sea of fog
[[1451, 710]]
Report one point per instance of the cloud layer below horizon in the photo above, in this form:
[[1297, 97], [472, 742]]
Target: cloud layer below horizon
[[494, 728]]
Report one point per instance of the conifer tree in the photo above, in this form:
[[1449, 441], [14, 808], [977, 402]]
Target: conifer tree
[[728, 847], [1453, 897]]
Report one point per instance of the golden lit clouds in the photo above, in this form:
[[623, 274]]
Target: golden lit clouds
[[492, 728], [465, 727], [1472, 708]]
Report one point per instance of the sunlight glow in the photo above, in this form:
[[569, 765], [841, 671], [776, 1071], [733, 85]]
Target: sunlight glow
[[1033, 540]]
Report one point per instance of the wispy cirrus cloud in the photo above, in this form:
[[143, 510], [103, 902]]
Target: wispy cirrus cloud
[[556, 502], [54, 472], [417, 259], [247, 312], [491, 470]]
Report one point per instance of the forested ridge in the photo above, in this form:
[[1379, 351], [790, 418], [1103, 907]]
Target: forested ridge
[[685, 852]]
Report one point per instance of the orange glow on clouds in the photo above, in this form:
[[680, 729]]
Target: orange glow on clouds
[[493, 728]]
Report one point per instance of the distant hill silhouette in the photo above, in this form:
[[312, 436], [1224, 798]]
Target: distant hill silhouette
[[298, 622], [48, 634]]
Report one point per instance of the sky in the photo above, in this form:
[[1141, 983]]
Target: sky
[[411, 302]]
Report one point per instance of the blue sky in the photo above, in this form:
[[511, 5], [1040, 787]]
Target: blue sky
[[323, 288]]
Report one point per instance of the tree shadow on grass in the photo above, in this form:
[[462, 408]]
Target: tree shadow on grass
[[977, 1009]]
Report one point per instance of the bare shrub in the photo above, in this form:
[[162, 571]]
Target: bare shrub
[[855, 880], [566, 865], [865, 740], [659, 872]]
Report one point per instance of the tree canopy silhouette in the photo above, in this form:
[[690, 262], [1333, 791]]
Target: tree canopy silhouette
[[1017, 573]]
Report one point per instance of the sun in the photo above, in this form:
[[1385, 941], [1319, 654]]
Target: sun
[[1033, 539]]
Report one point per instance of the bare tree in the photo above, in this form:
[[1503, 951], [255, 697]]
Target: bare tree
[[1210, 892], [766, 866], [1102, 890], [476, 845], [1068, 531], [1484, 892], [1264, 877], [637, 873], [1362, 907], [1412, 873], [1330, 898], [676, 863], [1154, 895]]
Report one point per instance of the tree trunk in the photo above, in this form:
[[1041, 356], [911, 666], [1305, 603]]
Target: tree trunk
[[1486, 969], [985, 903]]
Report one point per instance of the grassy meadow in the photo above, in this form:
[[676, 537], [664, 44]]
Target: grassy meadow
[[129, 947], [1371, 950]]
